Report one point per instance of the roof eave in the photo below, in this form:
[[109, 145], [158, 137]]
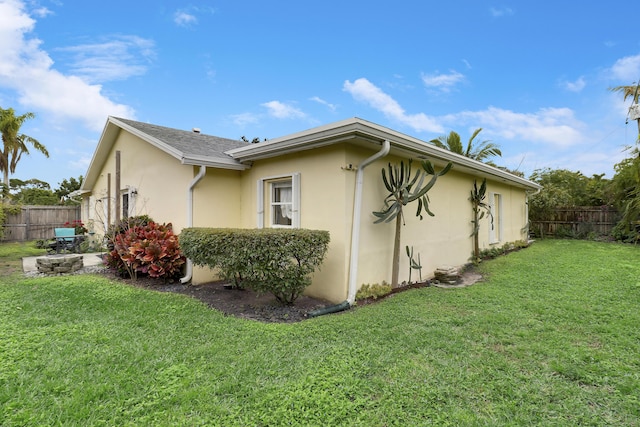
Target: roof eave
[[364, 130], [208, 162]]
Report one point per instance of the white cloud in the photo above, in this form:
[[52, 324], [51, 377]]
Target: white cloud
[[363, 90], [319, 100], [184, 19], [444, 82], [28, 70], [626, 70], [42, 12], [554, 126], [557, 127], [280, 110], [80, 163], [117, 59], [575, 86], [497, 13], [244, 119]]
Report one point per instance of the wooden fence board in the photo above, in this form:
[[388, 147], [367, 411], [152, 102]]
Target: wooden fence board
[[577, 221], [38, 222]]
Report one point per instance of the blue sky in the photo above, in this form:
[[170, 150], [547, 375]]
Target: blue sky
[[533, 75]]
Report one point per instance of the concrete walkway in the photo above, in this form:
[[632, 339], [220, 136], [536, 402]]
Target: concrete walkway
[[89, 260]]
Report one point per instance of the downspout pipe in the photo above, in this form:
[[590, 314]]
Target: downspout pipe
[[355, 236], [189, 268], [355, 223]]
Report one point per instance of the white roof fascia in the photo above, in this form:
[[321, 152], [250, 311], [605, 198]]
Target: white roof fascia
[[347, 129], [185, 160], [150, 139], [431, 150], [209, 162], [313, 138]]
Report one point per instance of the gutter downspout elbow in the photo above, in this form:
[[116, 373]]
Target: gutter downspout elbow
[[189, 268], [355, 223], [355, 236]]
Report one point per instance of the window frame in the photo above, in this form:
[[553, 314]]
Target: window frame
[[269, 183], [130, 195], [496, 231]]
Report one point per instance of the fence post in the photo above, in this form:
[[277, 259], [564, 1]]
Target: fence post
[[27, 221]]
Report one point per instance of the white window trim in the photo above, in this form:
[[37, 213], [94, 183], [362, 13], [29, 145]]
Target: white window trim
[[263, 222], [132, 194], [495, 232]]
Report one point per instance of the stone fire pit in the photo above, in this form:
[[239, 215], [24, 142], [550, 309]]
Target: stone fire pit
[[59, 264]]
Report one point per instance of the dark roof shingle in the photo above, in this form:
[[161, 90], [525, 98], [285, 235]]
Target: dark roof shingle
[[188, 143]]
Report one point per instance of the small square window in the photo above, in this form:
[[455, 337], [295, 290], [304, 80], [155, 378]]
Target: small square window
[[281, 203], [278, 201]]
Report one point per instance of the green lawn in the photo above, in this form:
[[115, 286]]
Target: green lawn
[[552, 337]]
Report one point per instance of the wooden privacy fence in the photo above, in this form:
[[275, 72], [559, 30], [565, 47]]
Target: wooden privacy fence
[[38, 222], [577, 221]]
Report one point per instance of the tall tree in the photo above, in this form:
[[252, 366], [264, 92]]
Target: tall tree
[[67, 187], [627, 92], [630, 169], [480, 152], [14, 143]]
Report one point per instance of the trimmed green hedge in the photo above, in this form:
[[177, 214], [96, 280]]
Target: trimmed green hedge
[[275, 260]]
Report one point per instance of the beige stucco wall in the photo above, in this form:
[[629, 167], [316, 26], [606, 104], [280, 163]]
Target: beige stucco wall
[[216, 203], [440, 240], [323, 206], [159, 179], [227, 198]]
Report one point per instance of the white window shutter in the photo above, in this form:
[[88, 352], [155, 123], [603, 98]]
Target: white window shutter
[[260, 204], [295, 189], [133, 195]]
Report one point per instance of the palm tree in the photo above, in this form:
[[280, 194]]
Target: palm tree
[[627, 91], [480, 152], [631, 203], [14, 143], [632, 91]]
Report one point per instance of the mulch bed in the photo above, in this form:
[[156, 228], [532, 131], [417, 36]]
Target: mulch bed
[[247, 304]]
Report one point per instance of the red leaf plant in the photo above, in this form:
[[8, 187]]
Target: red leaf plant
[[150, 249]]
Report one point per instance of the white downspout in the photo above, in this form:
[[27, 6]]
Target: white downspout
[[355, 224], [203, 170]]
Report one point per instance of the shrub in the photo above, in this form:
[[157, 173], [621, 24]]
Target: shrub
[[374, 291], [77, 225], [496, 251], [627, 233], [150, 249], [278, 261]]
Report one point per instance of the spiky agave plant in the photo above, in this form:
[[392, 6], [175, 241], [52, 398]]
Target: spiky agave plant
[[403, 189], [479, 209]]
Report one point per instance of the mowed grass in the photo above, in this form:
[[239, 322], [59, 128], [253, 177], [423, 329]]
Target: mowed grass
[[551, 337]]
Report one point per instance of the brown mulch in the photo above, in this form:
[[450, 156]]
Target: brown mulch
[[247, 304]]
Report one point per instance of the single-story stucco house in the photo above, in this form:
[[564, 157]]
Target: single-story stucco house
[[326, 178]]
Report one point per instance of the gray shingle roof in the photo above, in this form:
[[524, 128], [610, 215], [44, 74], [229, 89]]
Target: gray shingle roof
[[189, 143]]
